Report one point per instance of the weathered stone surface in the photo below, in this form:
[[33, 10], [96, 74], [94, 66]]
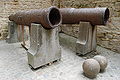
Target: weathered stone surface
[[14, 65], [8, 7], [86, 41], [44, 46]]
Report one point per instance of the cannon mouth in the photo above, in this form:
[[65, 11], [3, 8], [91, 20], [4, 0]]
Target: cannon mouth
[[106, 15], [54, 17]]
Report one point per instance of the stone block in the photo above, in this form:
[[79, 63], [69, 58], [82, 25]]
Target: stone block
[[12, 33], [44, 46], [87, 38]]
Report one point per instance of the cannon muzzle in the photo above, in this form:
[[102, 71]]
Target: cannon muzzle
[[48, 18], [96, 16]]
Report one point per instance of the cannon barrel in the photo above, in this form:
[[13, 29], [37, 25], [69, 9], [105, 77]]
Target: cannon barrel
[[49, 17], [96, 16]]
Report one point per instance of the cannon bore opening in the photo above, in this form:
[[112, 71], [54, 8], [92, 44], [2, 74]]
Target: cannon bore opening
[[106, 15], [54, 16]]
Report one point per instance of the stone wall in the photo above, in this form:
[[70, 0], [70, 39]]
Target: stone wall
[[107, 36], [8, 7]]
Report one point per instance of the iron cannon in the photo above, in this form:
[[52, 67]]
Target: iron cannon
[[87, 19], [42, 45], [48, 17], [96, 16]]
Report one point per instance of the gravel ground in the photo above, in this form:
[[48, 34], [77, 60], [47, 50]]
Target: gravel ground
[[14, 66]]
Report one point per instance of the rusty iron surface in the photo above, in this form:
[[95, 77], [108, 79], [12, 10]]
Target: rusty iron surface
[[48, 17], [96, 16]]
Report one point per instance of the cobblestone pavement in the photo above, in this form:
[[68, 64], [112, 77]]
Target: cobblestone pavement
[[13, 65]]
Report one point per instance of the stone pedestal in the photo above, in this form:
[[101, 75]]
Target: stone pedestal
[[12, 32], [87, 38], [44, 46], [16, 33]]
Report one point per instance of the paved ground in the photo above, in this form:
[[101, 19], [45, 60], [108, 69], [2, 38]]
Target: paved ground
[[13, 65]]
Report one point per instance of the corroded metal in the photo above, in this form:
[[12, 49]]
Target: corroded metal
[[49, 17], [96, 16]]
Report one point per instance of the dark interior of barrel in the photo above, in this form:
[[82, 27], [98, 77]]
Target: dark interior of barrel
[[54, 16], [106, 15]]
